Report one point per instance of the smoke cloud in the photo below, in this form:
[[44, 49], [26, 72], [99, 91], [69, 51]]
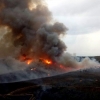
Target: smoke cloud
[[31, 28], [28, 30]]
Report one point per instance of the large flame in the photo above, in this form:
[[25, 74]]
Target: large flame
[[29, 60], [46, 61]]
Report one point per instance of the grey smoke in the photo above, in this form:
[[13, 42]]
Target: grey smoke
[[32, 33], [32, 29]]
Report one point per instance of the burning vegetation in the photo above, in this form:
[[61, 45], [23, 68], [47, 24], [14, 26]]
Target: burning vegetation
[[32, 36], [30, 45], [32, 60]]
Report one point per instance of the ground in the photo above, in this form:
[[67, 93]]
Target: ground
[[73, 85]]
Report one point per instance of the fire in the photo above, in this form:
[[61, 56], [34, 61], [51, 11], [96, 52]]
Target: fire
[[48, 62], [44, 61], [29, 61], [26, 59]]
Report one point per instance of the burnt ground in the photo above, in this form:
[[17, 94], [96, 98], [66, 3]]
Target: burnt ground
[[73, 85]]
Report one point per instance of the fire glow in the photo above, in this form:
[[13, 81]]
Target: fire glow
[[29, 61], [48, 62], [45, 61], [26, 59]]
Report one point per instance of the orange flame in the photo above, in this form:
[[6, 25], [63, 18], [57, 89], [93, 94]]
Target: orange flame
[[48, 62], [26, 59], [29, 61], [45, 61]]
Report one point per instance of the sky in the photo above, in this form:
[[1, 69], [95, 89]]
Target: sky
[[82, 18]]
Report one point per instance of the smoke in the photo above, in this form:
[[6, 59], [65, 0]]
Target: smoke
[[10, 64], [32, 28], [88, 63], [28, 30], [12, 70], [68, 60]]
